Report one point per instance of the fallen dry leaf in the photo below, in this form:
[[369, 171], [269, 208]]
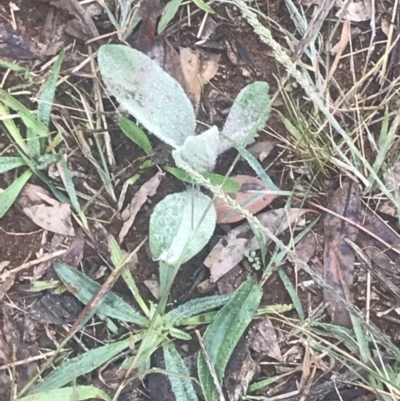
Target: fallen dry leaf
[[8, 281], [357, 11], [338, 255], [147, 190], [83, 18], [240, 371], [197, 70], [249, 197], [230, 249], [55, 217], [263, 340], [262, 149]]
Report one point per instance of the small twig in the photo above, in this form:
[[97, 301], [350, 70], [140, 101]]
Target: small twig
[[210, 366], [27, 265]]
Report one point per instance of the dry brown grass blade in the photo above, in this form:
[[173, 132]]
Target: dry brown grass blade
[[338, 255]]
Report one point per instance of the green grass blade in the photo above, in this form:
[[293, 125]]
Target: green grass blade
[[7, 198], [182, 388], [195, 307], [75, 393], [117, 258], [18, 69], [292, 293], [58, 194], [70, 188], [229, 185], [256, 166], [80, 365], [203, 6], [10, 162], [47, 96], [224, 333], [32, 123], [84, 288], [135, 134], [13, 130], [168, 14]]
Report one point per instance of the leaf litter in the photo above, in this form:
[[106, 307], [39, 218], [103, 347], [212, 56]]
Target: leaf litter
[[230, 250]]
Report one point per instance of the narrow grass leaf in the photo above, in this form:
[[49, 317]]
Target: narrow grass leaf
[[117, 258], [8, 196], [168, 14], [84, 288], [135, 134], [266, 382], [182, 388], [292, 293], [256, 166], [203, 6], [229, 185], [58, 194], [13, 130], [224, 333], [80, 365], [195, 307], [75, 393], [70, 188], [29, 119], [47, 96], [10, 162], [17, 68]]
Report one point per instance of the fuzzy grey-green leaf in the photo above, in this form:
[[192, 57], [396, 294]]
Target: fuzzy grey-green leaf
[[182, 388], [181, 219], [151, 95], [249, 112]]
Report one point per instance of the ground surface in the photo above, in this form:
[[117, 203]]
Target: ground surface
[[244, 58]]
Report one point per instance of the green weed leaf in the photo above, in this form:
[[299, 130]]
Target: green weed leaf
[[168, 14], [203, 6], [200, 151], [8, 196], [75, 393], [135, 134], [248, 113], [181, 226], [80, 365], [9, 162], [84, 288], [224, 333], [227, 184], [195, 307], [150, 94], [182, 388]]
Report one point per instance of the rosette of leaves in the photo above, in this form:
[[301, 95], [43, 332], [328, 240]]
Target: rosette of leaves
[[159, 103]]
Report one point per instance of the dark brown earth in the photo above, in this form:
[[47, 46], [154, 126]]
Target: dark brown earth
[[246, 60]]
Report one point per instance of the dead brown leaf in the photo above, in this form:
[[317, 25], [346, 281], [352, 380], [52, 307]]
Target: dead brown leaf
[[246, 197], [240, 371], [147, 190], [263, 340], [55, 217], [7, 282], [84, 22], [230, 249], [339, 256]]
